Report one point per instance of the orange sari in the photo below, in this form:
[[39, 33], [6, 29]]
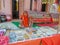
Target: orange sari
[[25, 21]]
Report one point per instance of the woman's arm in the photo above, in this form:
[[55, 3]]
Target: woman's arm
[[30, 21]]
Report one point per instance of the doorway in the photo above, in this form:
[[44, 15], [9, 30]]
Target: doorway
[[15, 9], [43, 7]]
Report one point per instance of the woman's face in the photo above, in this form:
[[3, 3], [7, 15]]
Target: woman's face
[[25, 13]]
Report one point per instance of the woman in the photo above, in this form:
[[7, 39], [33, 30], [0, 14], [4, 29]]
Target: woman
[[24, 19]]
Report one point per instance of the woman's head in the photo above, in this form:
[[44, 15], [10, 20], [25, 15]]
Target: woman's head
[[25, 13]]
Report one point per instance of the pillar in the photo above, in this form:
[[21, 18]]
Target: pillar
[[21, 7]]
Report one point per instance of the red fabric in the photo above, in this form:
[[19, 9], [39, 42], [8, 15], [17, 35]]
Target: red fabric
[[24, 19], [46, 41], [38, 20], [55, 40], [4, 40], [51, 25], [31, 42], [56, 1]]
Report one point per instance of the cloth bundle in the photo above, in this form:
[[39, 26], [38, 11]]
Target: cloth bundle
[[55, 40]]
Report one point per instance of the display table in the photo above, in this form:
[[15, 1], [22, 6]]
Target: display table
[[54, 40], [32, 40]]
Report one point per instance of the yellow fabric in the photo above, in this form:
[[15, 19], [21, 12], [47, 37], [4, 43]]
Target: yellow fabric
[[17, 5], [59, 8]]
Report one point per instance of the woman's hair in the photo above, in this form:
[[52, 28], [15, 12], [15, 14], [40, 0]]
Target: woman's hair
[[25, 12]]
